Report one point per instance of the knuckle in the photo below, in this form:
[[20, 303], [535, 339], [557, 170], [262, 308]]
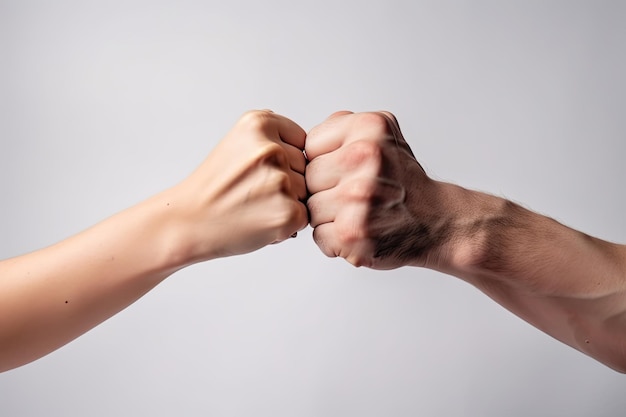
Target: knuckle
[[360, 152], [278, 181], [273, 154], [377, 124], [289, 219], [361, 189], [256, 119], [323, 242], [357, 260], [390, 116], [349, 233]]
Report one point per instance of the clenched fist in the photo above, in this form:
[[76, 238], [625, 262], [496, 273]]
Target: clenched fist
[[248, 193], [371, 202]]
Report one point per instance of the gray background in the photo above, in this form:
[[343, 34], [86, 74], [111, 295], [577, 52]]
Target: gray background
[[103, 104]]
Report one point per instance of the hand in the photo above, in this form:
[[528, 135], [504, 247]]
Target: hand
[[248, 193], [371, 202]]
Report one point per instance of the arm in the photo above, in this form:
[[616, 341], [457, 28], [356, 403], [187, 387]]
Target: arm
[[245, 195], [373, 204]]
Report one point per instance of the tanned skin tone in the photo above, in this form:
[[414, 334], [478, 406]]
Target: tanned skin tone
[[372, 204], [248, 193]]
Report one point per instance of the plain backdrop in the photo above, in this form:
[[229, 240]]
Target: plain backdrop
[[104, 103]]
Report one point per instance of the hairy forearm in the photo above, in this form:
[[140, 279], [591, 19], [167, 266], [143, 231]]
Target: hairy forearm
[[373, 204], [51, 296], [568, 284]]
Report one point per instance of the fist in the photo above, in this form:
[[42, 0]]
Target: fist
[[249, 192], [370, 200]]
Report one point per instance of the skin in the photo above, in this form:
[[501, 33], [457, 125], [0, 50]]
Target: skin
[[248, 193], [372, 204]]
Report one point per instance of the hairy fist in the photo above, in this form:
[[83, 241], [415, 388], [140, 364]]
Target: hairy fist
[[371, 202]]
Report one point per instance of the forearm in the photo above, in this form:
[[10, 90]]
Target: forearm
[[51, 296], [246, 194], [568, 284], [373, 204]]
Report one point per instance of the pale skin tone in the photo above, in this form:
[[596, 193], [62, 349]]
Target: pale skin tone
[[372, 204], [248, 193]]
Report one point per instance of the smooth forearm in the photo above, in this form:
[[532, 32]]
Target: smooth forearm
[[53, 295], [568, 284], [246, 194]]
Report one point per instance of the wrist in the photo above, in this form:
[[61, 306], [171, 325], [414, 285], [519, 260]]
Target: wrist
[[467, 225], [161, 226], [180, 222]]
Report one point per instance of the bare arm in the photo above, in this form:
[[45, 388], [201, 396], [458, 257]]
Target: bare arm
[[568, 284], [373, 204], [245, 195]]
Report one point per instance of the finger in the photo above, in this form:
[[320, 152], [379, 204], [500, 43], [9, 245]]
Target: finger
[[343, 129], [392, 117], [299, 221], [322, 235], [360, 158], [327, 136], [280, 181], [303, 216], [290, 132], [394, 125], [347, 236], [322, 174], [282, 155], [298, 186], [296, 158], [323, 207], [368, 193]]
